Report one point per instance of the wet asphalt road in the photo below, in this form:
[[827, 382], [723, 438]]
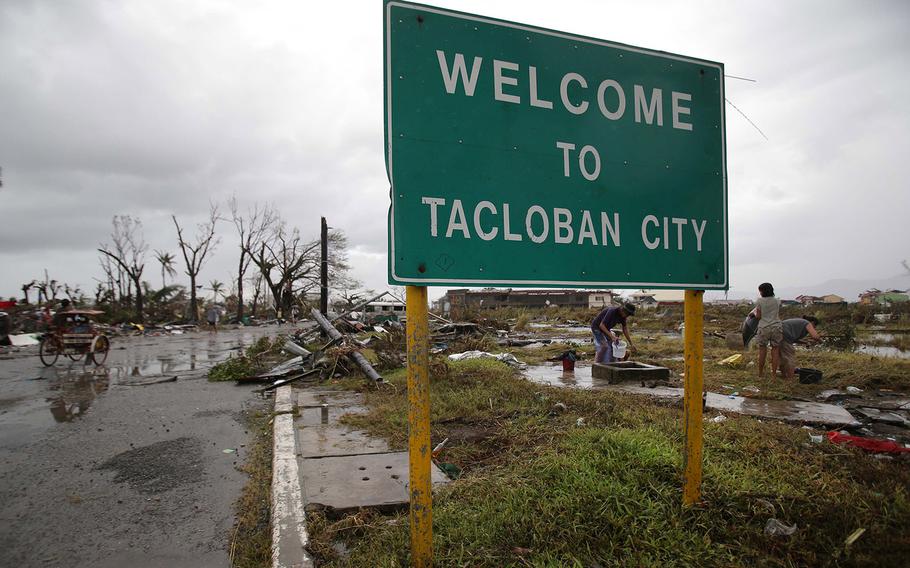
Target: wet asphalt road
[[96, 472]]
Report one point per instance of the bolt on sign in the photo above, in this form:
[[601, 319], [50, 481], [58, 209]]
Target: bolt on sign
[[522, 156]]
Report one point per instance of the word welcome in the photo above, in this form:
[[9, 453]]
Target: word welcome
[[558, 225], [574, 94]]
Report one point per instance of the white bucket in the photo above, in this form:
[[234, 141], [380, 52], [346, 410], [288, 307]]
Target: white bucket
[[619, 349]]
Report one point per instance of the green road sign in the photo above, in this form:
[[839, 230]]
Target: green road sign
[[521, 156]]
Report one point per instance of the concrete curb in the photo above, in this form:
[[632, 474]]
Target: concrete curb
[[289, 536]]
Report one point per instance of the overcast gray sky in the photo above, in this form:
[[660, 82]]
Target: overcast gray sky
[[149, 108]]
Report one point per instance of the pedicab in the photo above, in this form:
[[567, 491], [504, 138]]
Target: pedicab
[[72, 333]]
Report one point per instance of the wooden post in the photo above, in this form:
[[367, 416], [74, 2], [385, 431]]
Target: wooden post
[[324, 270], [692, 399], [421, 513]]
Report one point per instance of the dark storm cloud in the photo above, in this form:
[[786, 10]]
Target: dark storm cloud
[[153, 108]]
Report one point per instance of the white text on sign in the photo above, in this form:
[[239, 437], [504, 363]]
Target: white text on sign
[[557, 225]]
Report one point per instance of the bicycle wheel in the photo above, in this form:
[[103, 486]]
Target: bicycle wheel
[[75, 356], [48, 351], [100, 347]]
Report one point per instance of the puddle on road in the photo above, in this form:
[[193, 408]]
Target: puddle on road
[[71, 391], [36, 397]]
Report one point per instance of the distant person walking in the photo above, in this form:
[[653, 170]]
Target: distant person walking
[[770, 330], [602, 329], [212, 316]]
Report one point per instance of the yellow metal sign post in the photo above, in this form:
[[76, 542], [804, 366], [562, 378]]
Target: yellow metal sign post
[[692, 399], [421, 488]]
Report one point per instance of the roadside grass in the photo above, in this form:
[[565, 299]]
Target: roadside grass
[[251, 538], [248, 363], [537, 490]]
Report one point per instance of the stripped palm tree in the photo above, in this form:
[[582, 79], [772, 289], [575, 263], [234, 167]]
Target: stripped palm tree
[[217, 288], [167, 265]]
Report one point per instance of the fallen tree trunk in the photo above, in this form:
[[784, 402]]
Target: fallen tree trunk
[[356, 356]]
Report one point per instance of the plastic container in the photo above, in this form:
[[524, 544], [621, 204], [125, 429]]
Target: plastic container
[[619, 349], [808, 376]]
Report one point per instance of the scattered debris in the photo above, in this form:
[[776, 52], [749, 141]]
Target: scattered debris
[[580, 422], [23, 339], [559, 408], [816, 439], [752, 388], [506, 358], [854, 390], [719, 418], [776, 528], [355, 356]]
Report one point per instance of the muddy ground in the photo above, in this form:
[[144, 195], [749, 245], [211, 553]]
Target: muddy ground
[[97, 470]]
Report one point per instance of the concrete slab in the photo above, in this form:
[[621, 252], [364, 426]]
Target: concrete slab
[[881, 416], [325, 441], [347, 483], [324, 415], [629, 371]]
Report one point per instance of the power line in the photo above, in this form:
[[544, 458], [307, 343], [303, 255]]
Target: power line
[[746, 117]]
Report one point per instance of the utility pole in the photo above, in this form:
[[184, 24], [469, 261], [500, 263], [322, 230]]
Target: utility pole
[[324, 272]]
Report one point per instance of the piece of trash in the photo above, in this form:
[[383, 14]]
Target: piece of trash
[[816, 439], [853, 537], [450, 469], [228, 450], [580, 422], [765, 504], [718, 419], [506, 358], [776, 528], [751, 388], [439, 447], [732, 361], [521, 551], [559, 407], [23, 339], [868, 444], [854, 390]]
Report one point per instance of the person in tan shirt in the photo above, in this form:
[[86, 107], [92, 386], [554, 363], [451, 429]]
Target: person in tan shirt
[[770, 330]]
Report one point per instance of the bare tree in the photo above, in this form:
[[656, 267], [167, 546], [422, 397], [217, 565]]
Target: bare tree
[[256, 281], [290, 266], [194, 253], [166, 260], [26, 287], [251, 228], [127, 250]]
